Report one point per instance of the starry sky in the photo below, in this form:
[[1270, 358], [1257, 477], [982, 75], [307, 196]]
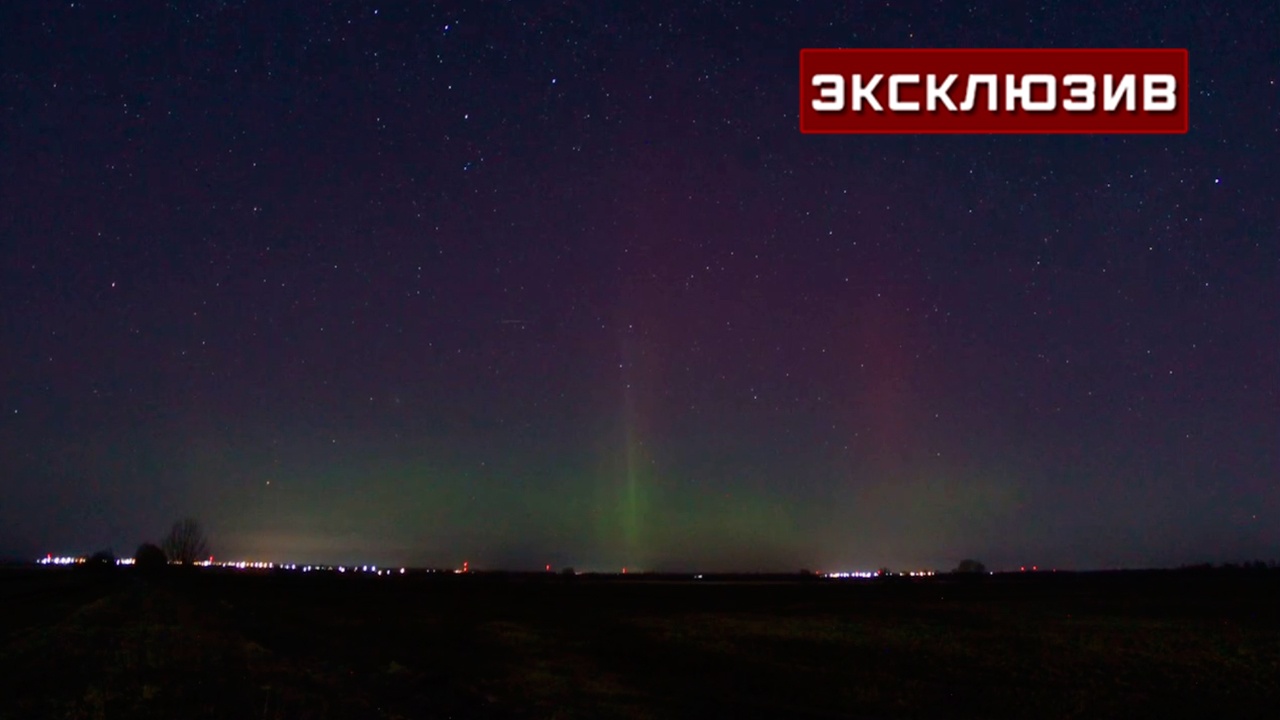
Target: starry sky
[[563, 283]]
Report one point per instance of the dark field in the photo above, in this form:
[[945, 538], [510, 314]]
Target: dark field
[[209, 644]]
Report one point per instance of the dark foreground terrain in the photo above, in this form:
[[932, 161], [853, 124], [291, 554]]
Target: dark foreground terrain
[[76, 643]]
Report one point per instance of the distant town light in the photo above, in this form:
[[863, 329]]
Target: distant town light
[[65, 560]]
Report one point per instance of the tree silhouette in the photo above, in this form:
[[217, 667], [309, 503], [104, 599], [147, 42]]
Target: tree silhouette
[[971, 566], [102, 558], [185, 542], [149, 557]]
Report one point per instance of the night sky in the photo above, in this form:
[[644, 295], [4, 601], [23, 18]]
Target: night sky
[[563, 283]]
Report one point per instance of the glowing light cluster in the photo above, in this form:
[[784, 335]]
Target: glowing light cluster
[[846, 575], [68, 560], [265, 565], [51, 560], [250, 565]]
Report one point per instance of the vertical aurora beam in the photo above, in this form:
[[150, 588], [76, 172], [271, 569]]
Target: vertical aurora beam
[[632, 509]]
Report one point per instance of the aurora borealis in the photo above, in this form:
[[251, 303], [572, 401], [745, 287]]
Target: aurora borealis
[[566, 285]]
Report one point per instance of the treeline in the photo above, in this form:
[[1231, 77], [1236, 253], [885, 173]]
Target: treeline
[[1253, 566], [185, 544]]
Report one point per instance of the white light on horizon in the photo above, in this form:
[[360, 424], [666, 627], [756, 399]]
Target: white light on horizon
[[64, 560]]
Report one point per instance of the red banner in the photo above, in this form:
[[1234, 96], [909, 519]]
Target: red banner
[[994, 91]]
